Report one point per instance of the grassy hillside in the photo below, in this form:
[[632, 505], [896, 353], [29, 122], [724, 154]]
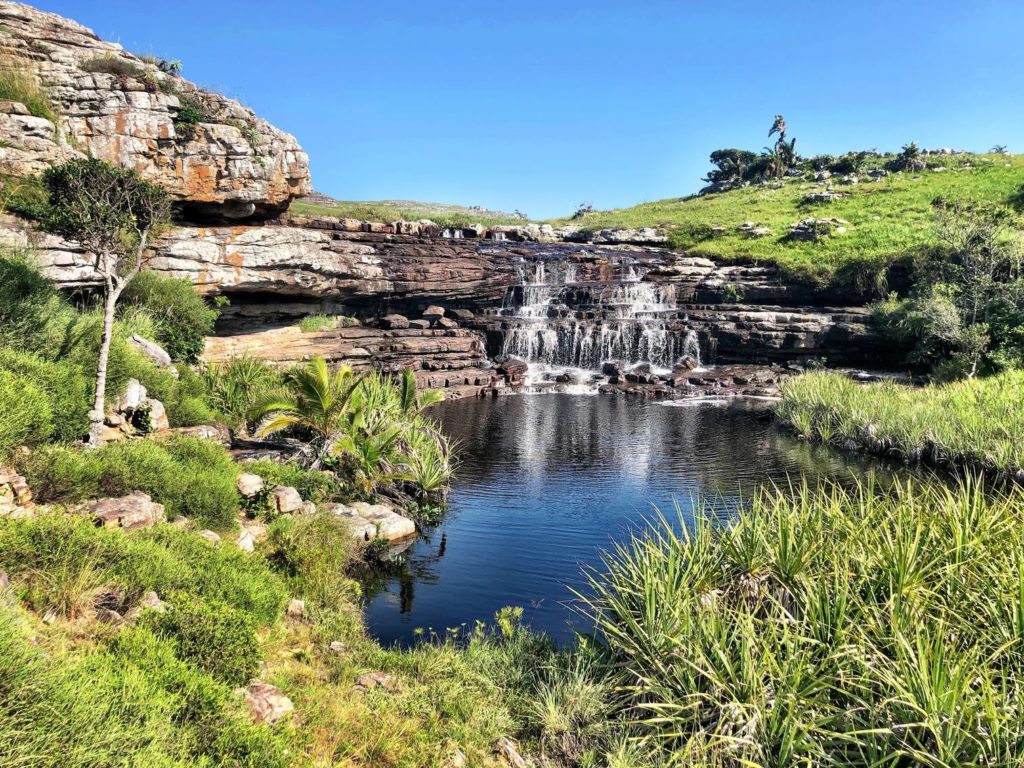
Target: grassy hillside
[[887, 218], [403, 210]]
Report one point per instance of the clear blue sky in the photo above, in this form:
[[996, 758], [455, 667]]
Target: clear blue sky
[[542, 105]]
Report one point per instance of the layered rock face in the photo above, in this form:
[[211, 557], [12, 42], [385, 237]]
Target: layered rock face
[[215, 156]]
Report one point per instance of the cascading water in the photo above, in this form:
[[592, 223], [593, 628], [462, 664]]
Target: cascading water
[[553, 319]]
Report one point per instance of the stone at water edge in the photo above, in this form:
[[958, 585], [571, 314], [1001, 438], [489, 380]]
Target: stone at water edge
[[286, 499], [131, 512], [370, 521], [250, 485], [266, 704], [514, 368]]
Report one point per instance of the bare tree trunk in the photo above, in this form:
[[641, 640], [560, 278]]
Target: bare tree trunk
[[110, 296]]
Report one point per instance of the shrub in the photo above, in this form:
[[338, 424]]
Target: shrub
[[189, 476], [64, 385], [18, 82], [122, 69], [24, 196], [233, 387], [25, 416], [825, 627], [183, 318], [312, 484], [33, 315], [316, 552], [190, 114], [218, 638]]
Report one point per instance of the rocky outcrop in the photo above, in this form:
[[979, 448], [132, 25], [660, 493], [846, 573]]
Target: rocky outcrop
[[216, 157], [453, 359], [136, 510]]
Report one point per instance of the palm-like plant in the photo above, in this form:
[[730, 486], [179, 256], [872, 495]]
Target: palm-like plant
[[315, 400], [410, 399], [998, 149]]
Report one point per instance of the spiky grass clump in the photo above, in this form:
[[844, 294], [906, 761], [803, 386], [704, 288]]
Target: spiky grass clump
[[977, 422], [19, 82], [826, 627]]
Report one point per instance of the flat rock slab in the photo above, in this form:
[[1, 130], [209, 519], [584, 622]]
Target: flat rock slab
[[371, 521], [266, 703], [136, 510]]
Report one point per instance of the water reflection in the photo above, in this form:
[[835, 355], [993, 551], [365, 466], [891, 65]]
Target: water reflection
[[546, 482]]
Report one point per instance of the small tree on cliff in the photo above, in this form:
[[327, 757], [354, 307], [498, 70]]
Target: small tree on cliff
[[111, 212]]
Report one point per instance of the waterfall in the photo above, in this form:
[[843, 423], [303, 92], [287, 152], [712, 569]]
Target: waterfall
[[691, 346], [553, 318]]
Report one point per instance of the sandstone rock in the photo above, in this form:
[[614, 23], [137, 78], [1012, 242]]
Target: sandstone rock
[[246, 542], [109, 616], [266, 704], [419, 324], [15, 495], [337, 647], [394, 321], [372, 680], [250, 485], [513, 368], [506, 749], [296, 609], [462, 315], [214, 432], [447, 323], [136, 510], [152, 351], [286, 499], [433, 313], [231, 159], [210, 537], [309, 507], [157, 414], [132, 398], [370, 521]]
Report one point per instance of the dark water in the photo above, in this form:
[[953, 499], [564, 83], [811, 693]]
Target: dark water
[[545, 482]]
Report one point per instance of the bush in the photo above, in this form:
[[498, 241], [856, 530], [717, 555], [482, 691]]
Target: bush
[[233, 387], [316, 552], [312, 484], [218, 638], [189, 476], [34, 317], [183, 318], [25, 416], [65, 388]]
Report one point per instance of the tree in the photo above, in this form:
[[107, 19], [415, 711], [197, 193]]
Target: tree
[[783, 156], [998, 149], [314, 400], [111, 212]]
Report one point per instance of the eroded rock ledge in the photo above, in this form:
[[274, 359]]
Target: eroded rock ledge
[[223, 161]]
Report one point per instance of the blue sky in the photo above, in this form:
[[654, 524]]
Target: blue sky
[[543, 105]]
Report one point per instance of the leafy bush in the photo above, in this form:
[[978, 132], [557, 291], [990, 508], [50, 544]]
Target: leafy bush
[[233, 387], [34, 317], [218, 638], [25, 416], [183, 318], [24, 196], [64, 386], [18, 82], [190, 114], [312, 484], [164, 559], [316, 552], [189, 476]]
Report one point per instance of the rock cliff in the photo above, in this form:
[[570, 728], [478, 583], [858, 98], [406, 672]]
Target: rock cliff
[[215, 156]]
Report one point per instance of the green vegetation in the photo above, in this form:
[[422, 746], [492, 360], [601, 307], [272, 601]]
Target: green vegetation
[[19, 82], [122, 69], [388, 211], [189, 476], [858, 628], [110, 211], [183, 318], [317, 323], [976, 422], [890, 218], [191, 112]]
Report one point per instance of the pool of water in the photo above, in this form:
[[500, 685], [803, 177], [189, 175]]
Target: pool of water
[[545, 483]]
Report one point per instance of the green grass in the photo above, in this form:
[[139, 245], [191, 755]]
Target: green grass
[[18, 82], [442, 215], [826, 628], [977, 423], [889, 218], [317, 323]]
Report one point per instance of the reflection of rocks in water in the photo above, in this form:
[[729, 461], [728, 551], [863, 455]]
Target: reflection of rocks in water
[[406, 570]]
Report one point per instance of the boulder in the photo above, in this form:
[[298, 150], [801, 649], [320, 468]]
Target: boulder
[[296, 609], [157, 414], [152, 351], [286, 499], [372, 680], [136, 510], [246, 541], [421, 325], [433, 313], [393, 322], [132, 398], [337, 647], [513, 368], [210, 536], [371, 521], [266, 704], [250, 485], [462, 315], [447, 323]]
